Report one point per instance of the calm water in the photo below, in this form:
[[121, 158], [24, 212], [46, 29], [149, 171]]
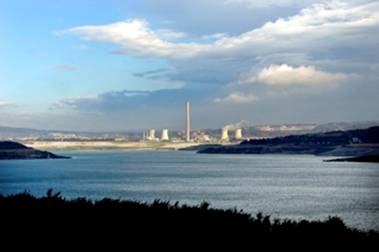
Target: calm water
[[282, 185]]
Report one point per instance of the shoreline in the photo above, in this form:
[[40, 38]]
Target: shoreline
[[108, 145], [359, 159]]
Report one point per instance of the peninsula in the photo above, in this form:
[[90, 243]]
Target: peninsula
[[14, 150], [363, 142]]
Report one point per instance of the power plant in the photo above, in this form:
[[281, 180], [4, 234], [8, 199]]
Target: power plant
[[188, 123], [238, 134], [196, 136], [225, 134], [151, 135], [164, 135]]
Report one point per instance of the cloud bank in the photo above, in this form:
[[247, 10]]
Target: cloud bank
[[325, 44], [238, 97], [135, 37], [341, 20]]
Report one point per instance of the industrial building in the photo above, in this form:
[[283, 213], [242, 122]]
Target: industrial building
[[238, 134], [225, 134], [164, 135], [151, 135], [199, 136]]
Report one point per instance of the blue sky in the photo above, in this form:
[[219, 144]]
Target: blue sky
[[123, 65]]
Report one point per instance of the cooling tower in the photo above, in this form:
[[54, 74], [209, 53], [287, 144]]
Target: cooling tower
[[188, 127], [238, 134], [224, 134], [164, 136], [151, 135]]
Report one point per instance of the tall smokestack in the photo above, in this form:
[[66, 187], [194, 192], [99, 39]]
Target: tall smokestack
[[188, 123]]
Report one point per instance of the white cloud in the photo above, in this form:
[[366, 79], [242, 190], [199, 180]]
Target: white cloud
[[214, 36], [237, 97], [321, 26], [327, 25], [7, 105], [170, 35], [295, 81], [268, 3], [73, 102], [135, 37], [285, 75], [305, 54]]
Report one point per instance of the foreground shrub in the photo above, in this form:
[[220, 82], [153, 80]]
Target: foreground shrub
[[112, 218]]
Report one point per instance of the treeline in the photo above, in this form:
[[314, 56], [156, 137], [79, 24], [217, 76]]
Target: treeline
[[23, 213]]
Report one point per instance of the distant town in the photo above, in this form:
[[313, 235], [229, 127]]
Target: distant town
[[197, 135], [228, 133], [165, 138]]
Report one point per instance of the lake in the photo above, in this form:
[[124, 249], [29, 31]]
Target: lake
[[290, 186]]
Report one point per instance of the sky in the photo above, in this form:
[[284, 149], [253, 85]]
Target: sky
[[125, 65]]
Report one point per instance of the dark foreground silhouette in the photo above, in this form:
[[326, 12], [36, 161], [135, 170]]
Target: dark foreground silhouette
[[11, 150], [364, 159], [54, 216]]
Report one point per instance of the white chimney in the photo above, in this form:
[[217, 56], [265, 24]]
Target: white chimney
[[164, 136], [151, 135], [224, 134], [238, 134]]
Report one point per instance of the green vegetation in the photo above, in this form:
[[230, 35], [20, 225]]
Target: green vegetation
[[108, 217]]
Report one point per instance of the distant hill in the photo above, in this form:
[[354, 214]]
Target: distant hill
[[13, 150], [301, 129], [278, 130], [257, 131], [362, 136], [8, 145], [336, 143], [10, 132], [343, 126], [21, 134]]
